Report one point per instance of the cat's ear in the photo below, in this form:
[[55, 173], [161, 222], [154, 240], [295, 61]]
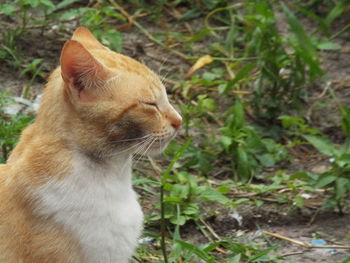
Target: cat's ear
[[85, 37], [80, 71]]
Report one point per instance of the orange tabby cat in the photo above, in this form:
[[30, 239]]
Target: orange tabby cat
[[65, 192]]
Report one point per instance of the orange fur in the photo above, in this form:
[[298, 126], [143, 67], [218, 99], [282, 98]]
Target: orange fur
[[85, 99]]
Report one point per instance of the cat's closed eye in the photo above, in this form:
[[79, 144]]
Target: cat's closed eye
[[150, 104]]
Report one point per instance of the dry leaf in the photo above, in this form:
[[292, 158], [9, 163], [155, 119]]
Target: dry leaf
[[201, 62]]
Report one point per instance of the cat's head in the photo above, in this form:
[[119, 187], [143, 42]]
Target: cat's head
[[118, 104]]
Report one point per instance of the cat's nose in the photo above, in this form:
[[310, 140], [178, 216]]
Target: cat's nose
[[174, 118], [176, 121]]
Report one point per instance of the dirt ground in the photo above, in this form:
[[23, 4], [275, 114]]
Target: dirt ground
[[331, 227]]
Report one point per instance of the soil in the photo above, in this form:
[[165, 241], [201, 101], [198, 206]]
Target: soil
[[286, 221]]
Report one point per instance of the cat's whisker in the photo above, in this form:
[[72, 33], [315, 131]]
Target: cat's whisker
[[133, 139], [127, 149], [162, 65], [162, 78], [145, 150], [142, 146], [140, 150], [160, 145], [146, 147]]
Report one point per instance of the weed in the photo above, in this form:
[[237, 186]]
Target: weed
[[280, 75], [10, 127], [248, 150], [337, 178]]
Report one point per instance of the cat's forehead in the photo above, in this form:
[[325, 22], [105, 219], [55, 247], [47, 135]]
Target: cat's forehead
[[133, 85], [130, 76], [117, 62]]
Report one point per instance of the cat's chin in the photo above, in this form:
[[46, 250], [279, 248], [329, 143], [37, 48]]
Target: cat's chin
[[157, 149]]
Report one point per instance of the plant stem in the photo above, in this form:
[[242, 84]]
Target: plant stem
[[344, 29], [164, 176], [4, 152], [162, 225]]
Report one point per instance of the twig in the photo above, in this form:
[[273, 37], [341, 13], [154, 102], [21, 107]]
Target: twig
[[204, 232], [211, 230], [292, 253], [313, 218], [303, 244], [221, 250]]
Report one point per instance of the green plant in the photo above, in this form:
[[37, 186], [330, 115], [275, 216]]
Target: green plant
[[246, 147], [236, 252], [8, 49], [337, 178], [279, 74], [99, 19], [10, 127], [184, 194], [24, 13], [295, 128]]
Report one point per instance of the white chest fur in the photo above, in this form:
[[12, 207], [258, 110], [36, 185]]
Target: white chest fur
[[99, 207]]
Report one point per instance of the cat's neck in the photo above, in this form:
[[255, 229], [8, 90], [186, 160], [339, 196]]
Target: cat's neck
[[119, 165], [53, 110]]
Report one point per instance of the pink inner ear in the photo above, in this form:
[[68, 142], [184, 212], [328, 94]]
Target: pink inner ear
[[79, 68]]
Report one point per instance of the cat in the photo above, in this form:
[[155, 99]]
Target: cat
[[65, 191]]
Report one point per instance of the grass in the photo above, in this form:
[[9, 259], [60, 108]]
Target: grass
[[242, 102]]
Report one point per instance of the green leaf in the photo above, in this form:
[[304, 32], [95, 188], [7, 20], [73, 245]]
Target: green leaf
[[172, 199], [312, 15], [328, 45], [226, 141], [244, 168], [298, 30], [345, 148], [235, 259], [323, 145], [195, 250], [111, 38], [242, 73], [345, 121], [180, 191], [177, 156], [213, 195], [7, 9], [305, 49], [178, 220], [299, 201], [341, 186], [337, 10], [266, 159], [64, 4], [200, 35], [344, 159], [325, 179], [300, 175], [237, 112], [191, 209]]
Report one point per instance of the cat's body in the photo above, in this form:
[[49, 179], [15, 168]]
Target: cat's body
[[66, 193]]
